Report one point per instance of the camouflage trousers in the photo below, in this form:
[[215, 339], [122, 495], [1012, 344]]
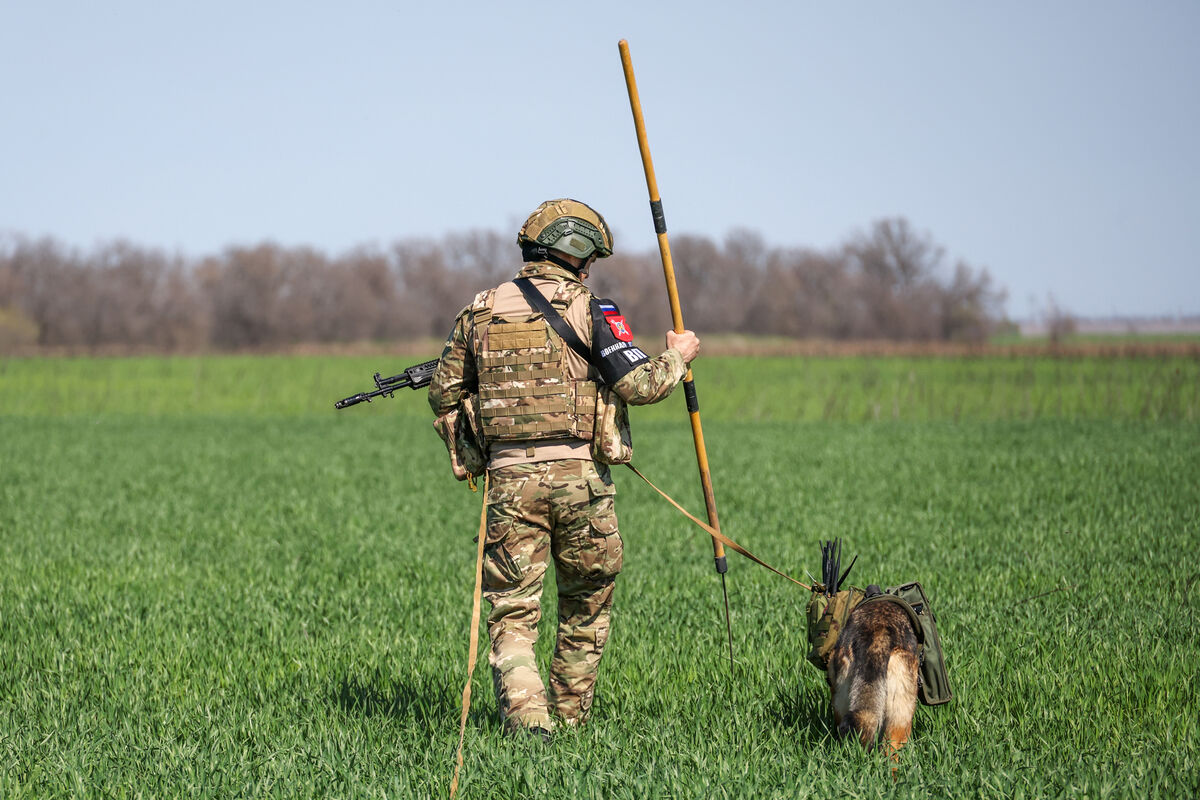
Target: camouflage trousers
[[561, 510]]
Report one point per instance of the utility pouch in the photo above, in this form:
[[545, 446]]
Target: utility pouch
[[612, 440], [826, 619], [934, 686], [462, 434]]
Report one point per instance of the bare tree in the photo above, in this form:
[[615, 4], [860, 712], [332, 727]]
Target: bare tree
[[1059, 322], [889, 282]]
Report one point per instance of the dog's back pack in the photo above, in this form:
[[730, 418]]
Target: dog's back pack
[[934, 688], [827, 617]]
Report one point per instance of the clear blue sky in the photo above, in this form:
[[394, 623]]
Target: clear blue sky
[[1054, 143]]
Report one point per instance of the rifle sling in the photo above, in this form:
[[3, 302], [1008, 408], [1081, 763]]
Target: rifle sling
[[555, 320], [473, 649]]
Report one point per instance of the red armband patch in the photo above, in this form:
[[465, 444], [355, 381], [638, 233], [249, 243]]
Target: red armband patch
[[620, 327]]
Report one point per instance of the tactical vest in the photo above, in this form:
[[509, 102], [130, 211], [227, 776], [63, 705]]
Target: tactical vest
[[526, 392]]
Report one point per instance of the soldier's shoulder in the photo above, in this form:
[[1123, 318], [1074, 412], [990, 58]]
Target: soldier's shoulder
[[567, 292], [482, 301], [479, 309]]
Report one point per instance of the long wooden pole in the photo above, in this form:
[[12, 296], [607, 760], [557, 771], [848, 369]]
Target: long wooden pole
[[689, 386]]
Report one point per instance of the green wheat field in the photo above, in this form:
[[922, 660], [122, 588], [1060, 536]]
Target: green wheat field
[[214, 585]]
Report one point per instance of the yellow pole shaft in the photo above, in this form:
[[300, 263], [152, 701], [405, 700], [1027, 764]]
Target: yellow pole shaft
[[664, 249]]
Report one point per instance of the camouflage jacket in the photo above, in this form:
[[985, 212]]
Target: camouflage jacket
[[648, 382]]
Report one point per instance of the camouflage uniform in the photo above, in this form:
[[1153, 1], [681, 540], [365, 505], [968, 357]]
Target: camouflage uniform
[[548, 500]]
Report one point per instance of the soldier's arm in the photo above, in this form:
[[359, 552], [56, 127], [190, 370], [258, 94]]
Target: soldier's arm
[[455, 372], [652, 380], [636, 378]]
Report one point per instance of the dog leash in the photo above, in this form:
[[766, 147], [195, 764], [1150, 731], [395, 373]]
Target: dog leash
[[716, 534], [473, 651]]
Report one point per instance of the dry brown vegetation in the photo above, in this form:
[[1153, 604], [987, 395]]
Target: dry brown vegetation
[[422, 348], [890, 282]]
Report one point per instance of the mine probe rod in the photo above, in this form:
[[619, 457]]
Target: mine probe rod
[[689, 386]]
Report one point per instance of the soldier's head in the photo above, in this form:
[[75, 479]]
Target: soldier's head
[[566, 232]]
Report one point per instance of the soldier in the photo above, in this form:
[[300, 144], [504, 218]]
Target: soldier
[[545, 369]]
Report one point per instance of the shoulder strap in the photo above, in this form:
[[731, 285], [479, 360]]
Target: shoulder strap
[[481, 315], [541, 304], [886, 597]]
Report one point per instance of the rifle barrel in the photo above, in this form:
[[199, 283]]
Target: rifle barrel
[[394, 382], [355, 399], [414, 377]]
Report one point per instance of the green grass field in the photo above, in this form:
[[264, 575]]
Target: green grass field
[[213, 585]]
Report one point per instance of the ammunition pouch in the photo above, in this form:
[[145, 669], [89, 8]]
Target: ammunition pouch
[[612, 441], [826, 618], [463, 436]]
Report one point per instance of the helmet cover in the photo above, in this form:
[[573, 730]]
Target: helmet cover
[[567, 226]]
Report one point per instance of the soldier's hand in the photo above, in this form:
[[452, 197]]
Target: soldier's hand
[[686, 343]]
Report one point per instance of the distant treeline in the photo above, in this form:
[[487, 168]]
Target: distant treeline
[[890, 282]]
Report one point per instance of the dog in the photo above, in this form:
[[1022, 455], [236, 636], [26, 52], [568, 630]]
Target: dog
[[873, 675]]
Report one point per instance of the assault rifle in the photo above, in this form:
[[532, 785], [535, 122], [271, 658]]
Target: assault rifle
[[414, 377]]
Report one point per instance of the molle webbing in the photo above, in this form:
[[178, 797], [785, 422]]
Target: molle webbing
[[512, 361], [514, 335], [550, 392], [525, 393]]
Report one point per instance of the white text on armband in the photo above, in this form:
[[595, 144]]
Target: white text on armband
[[612, 348], [635, 355]]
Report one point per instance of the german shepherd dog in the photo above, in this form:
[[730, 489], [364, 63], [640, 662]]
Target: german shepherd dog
[[872, 675]]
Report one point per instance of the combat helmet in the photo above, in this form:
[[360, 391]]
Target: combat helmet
[[567, 226]]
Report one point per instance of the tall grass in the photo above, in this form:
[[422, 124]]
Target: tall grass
[[769, 388], [233, 597]]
